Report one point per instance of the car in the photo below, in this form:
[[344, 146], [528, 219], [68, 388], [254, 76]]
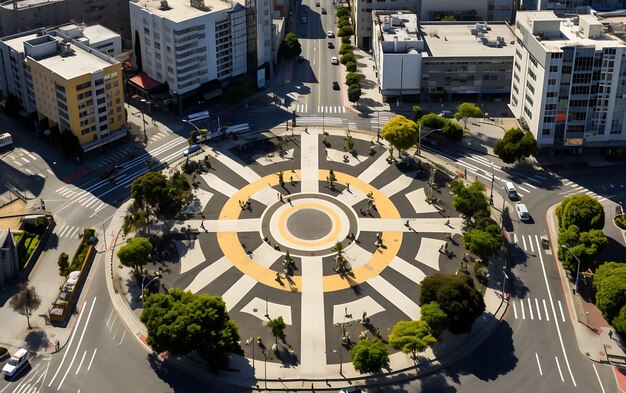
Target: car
[[304, 19], [110, 173], [334, 60], [331, 45], [317, 4], [192, 149], [428, 141], [351, 389], [511, 191], [324, 11], [331, 34], [15, 363], [335, 85], [522, 211], [446, 114]]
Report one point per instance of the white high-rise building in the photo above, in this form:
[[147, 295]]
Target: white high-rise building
[[569, 83], [189, 42]]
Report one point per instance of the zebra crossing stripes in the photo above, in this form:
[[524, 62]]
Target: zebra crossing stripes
[[577, 189], [69, 231], [113, 157], [534, 309], [158, 136], [319, 120], [301, 108], [331, 109]]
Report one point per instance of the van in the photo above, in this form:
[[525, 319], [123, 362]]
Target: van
[[17, 361], [522, 211], [511, 191]]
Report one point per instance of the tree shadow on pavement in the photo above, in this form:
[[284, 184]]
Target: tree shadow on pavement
[[36, 340], [495, 357]]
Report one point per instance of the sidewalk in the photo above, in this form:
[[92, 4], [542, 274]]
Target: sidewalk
[[274, 376]]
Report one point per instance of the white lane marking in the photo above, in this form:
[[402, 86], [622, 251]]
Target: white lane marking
[[598, 376], [17, 163], [522, 188], [81, 362], [561, 308], [109, 318], [122, 339], [559, 367], [29, 171], [111, 327], [530, 243], [24, 159], [538, 364], [524, 241], [558, 329], [530, 309], [545, 310], [80, 341], [538, 309], [514, 310], [102, 205], [530, 185], [69, 345], [92, 356], [523, 313]]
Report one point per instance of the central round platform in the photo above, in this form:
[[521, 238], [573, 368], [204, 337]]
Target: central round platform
[[309, 224]]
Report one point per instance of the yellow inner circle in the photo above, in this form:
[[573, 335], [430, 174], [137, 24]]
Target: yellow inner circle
[[282, 225], [231, 246]]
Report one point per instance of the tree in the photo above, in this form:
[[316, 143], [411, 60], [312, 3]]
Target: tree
[[12, 106], [290, 46], [471, 201], [351, 66], [467, 110], [352, 78], [452, 131], [483, 243], [581, 210], [64, 264], [354, 93], [25, 302], [346, 31], [411, 337], [434, 316], [343, 12], [433, 121], [181, 322], [369, 356], [70, 146], [400, 132], [448, 18], [609, 282], [345, 48], [585, 245], [457, 297], [515, 145], [135, 253], [277, 326], [343, 21], [347, 58], [419, 112]]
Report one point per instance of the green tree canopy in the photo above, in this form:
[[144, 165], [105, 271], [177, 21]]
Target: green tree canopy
[[69, 143], [457, 297], [466, 110], [516, 146], [452, 131], [433, 121], [135, 252], [181, 322], [435, 317], [343, 12], [346, 31], [581, 210], [345, 48], [418, 112], [277, 326], [351, 66], [352, 78], [347, 58], [609, 282], [290, 46], [585, 245], [400, 132], [354, 92], [369, 356], [448, 18], [471, 201], [343, 21], [64, 264], [483, 243], [411, 337]]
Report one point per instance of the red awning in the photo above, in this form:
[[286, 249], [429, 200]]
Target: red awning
[[144, 82]]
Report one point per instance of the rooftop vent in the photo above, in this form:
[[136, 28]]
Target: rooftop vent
[[65, 50], [164, 6], [199, 4]]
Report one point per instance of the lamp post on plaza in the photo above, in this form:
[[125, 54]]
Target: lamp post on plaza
[[159, 275], [577, 268], [419, 137], [143, 119]]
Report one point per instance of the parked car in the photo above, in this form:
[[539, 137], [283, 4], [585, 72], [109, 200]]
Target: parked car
[[324, 11], [15, 363], [192, 149], [331, 34], [110, 173], [317, 4], [335, 85], [446, 114], [331, 45], [334, 60]]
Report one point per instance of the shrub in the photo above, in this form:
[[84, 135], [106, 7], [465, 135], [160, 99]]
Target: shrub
[[83, 248], [452, 131], [347, 58], [345, 40], [352, 78], [345, 48], [433, 121], [351, 66], [620, 221]]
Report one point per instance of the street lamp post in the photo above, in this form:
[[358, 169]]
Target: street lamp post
[[143, 119], [577, 267], [191, 124], [419, 137], [159, 275], [253, 341]]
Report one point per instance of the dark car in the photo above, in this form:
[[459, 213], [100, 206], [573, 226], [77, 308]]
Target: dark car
[[324, 11], [110, 172], [317, 4], [331, 45], [335, 85]]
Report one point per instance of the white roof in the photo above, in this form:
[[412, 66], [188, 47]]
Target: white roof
[[456, 40], [181, 10], [78, 64]]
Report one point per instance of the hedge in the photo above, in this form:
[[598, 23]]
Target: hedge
[[83, 249]]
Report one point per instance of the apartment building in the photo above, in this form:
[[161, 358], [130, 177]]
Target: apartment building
[[24, 15], [569, 83]]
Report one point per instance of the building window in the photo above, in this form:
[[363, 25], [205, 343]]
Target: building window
[[546, 132]]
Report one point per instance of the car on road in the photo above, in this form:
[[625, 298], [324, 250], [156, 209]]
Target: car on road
[[331, 45], [335, 85], [511, 192], [522, 211], [192, 149], [334, 60], [324, 11], [317, 4], [304, 19], [110, 173], [15, 363], [446, 114], [351, 389], [428, 141], [331, 34]]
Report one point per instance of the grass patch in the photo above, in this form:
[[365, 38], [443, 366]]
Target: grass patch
[[29, 243], [620, 221], [83, 249]]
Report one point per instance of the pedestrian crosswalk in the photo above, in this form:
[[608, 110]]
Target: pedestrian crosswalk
[[157, 136], [535, 309], [319, 120], [379, 121], [21, 157], [575, 189], [69, 232], [304, 108], [114, 156]]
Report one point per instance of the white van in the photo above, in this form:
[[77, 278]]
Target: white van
[[511, 191], [15, 363], [522, 211]]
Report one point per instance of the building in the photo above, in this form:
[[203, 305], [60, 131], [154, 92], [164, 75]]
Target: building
[[96, 36], [24, 15], [427, 10], [442, 61], [569, 83], [9, 263]]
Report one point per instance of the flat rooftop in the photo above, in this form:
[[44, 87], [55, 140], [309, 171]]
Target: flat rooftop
[[405, 30], [28, 3], [181, 10], [78, 64], [17, 43], [98, 33], [457, 40]]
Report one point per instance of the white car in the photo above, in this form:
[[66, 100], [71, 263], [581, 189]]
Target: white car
[[522, 211], [331, 34], [17, 361], [334, 60]]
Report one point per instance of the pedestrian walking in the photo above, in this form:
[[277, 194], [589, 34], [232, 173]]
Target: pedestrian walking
[[281, 198], [202, 224], [610, 334], [348, 186]]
